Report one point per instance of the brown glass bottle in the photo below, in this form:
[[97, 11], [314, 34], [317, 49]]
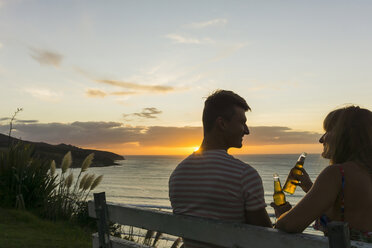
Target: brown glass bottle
[[278, 196], [289, 187]]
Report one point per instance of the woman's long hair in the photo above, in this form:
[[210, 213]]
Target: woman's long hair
[[349, 136]]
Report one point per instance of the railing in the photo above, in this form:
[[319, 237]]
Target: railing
[[215, 232]]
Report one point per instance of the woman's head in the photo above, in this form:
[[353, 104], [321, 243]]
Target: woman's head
[[348, 135]]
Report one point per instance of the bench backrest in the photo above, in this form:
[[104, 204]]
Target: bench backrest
[[216, 232]]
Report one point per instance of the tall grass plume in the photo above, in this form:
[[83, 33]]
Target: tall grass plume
[[66, 162], [70, 195]]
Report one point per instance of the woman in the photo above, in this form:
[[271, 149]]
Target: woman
[[343, 190]]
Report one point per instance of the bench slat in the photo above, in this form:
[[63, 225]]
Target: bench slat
[[210, 231]]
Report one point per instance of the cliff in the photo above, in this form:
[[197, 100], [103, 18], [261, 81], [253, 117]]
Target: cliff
[[56, 152]]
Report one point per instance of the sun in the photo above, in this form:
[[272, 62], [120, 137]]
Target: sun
[[196, 148]]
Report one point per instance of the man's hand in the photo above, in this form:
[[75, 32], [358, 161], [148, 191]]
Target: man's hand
[[304, 180], [279, 210]]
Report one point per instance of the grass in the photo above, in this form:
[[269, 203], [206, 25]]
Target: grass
[[23, 229]]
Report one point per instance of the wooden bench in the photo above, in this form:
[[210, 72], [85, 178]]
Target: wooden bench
[[216, 232]]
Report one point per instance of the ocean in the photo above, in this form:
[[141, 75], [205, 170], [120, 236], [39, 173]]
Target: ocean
[[143, 180]]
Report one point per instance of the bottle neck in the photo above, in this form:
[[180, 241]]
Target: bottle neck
[[299, 166], [301, 160], [277, 185]]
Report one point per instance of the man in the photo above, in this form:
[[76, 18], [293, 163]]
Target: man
[[213, 184]]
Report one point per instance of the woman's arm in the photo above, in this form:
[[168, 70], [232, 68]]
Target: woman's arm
[[320, 198]]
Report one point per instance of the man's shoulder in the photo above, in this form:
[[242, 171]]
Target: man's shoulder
[[220, 157], [247, 169], [211, 156], [244, 165]]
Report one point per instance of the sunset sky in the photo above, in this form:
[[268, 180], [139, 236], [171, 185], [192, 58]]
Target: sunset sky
[[131, 76]]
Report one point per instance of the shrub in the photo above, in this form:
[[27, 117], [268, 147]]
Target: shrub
[[35, 182], [26, 181], [23, 174]]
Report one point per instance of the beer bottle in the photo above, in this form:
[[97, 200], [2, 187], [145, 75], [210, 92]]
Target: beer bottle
[[289, 187], [279, 197]]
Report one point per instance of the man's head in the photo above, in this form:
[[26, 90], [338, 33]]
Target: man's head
[[224, 111]]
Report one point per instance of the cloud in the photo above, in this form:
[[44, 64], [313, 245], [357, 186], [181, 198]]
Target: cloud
[[102, 94], [45, 57], [44, 94], [148, 113], [123, 93], [27, 121], [171, 136], [101, 134], [95, 93], [131, 88], [188, 40], [76, 133], [266, 135], [17, 120], [1, 45], [136, 86], [210, 23]]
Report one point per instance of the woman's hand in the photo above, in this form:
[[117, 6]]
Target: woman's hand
[[279, 210], [304, 180]]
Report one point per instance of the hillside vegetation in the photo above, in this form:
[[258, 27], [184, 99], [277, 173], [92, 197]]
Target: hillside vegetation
[[56, 152]]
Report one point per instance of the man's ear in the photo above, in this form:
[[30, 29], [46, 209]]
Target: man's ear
[[221, 123]]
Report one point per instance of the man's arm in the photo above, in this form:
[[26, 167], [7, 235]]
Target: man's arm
[[254, 199], [258, 217]]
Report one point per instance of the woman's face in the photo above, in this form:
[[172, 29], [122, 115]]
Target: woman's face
[[324, 140]]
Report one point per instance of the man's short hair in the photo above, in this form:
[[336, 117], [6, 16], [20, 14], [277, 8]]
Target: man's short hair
[[221, 104]]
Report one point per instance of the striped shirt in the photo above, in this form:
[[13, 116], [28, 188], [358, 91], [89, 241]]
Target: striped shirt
[[214, 184]]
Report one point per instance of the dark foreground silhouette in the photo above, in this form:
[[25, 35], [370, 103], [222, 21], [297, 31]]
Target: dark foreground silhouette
[[56, 152]]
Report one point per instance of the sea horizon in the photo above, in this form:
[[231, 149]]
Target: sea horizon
[[142, 180], [232, 154], [140, 177]]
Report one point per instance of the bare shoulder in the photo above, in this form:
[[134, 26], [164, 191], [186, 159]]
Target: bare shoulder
[[329, 176], [331, 170], [357, 175], [352, 166]]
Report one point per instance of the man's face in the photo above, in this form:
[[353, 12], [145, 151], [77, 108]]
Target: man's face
[[236, 128]]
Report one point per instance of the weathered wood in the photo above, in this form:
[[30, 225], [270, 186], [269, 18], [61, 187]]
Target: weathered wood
[[117, 242], [102, 220], [338, 234], [212, 231]]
